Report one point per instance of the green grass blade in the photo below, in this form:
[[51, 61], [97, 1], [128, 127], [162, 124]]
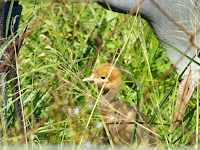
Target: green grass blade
[[162, 103], [135, 125], [8, 18]]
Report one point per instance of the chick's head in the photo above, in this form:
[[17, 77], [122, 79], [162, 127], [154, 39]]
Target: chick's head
[[103, 76]]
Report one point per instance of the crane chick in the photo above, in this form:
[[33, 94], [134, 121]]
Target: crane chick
[[118, 116]]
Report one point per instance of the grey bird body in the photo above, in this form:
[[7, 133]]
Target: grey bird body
[[182, 12]]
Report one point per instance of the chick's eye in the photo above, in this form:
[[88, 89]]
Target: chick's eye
[[198, 54], [103, 77]]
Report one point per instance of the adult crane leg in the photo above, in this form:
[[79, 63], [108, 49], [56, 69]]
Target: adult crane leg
[[12, 71], [3, 73], [16, 95]]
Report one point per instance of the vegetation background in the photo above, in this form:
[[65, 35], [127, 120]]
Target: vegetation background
[[61, 45]]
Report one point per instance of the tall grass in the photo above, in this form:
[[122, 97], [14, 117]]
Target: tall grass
[[61, 46]]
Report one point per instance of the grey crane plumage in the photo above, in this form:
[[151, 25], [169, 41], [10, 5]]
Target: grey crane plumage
[[175, 23]]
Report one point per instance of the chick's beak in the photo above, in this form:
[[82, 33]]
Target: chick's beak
[[89, 79], [185, 91]]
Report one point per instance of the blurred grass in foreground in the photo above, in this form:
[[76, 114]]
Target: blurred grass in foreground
[[60, 48]]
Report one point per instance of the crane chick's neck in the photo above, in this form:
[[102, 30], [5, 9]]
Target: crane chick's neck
[[110, 94]]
